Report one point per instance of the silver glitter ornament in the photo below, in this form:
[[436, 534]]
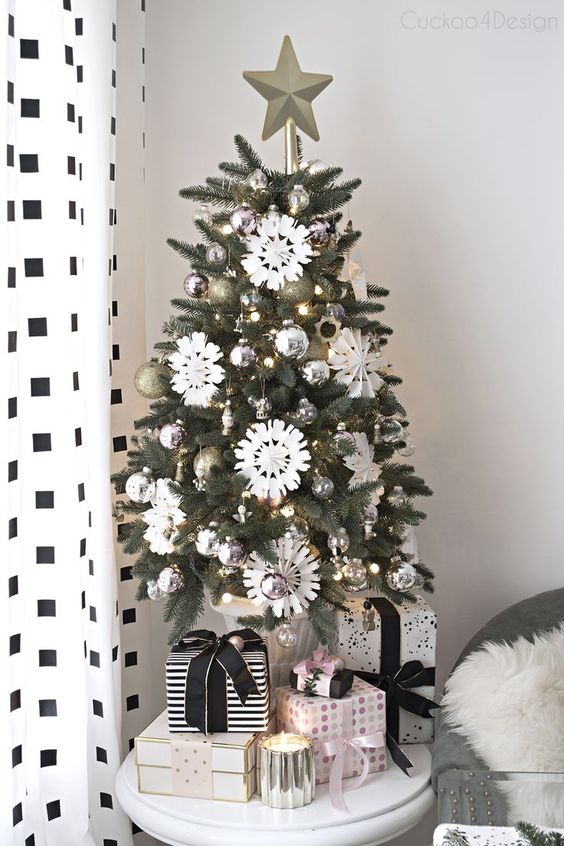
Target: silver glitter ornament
[[298, 199], [315, 372], [170, 580], [227, 419], [319, 232], [215, 254], [203, 215], [231, 553], [140, 487], [237, 642], [392, 431], [208, 459], [153, 590], [316, 166], [221, 291], [196, 285], [274, 586], [343, 441], [243, 220], [207, 542], [251, 299], [307, 412], [151, 379], [299, 291], [243, 355], [401, 575], [291, 341], [408, 448], [286, 636], [397, 496], [297, 530], [172, 435], [338, 542], [335, 310], [354, 575], [257, 180], [322, 487]]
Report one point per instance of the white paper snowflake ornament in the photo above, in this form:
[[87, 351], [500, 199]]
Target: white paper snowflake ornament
[[362, 463], [162, 518], [271, 457], [355, 364], [196, 371], [297, 565], [278, 252]]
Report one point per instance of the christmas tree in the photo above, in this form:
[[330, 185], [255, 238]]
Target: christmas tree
[[267, 467]]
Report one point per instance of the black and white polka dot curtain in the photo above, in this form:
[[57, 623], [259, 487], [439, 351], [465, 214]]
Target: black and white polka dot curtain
[[59, 617]]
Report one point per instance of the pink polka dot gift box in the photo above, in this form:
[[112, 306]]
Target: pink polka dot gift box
[[350, 731]]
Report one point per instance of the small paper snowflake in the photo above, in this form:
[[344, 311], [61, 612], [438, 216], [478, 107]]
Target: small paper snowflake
[[355, 365], [162, 519], [362, 464], [197, 373], [299, 568], [277, 252], [271, 457]]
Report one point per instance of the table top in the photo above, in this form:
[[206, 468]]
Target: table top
[[388, 804]]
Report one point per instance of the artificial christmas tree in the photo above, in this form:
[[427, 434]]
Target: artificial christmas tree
[[267, 466]]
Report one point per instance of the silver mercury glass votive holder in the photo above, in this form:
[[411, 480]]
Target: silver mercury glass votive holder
[[287, 771]]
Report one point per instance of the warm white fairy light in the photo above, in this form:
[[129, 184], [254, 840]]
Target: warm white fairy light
[[303, 309], [255, 316], [268, 362], [318, 290], [226, 598], [227, 229], [374, 568]]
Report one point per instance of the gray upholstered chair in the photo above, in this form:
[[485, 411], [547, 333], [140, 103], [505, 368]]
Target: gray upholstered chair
[[467, 791]]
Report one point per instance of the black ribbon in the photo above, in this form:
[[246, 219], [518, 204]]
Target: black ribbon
[[397, 681], [205, 694]]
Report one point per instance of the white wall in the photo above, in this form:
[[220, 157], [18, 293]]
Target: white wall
[[458, 136]]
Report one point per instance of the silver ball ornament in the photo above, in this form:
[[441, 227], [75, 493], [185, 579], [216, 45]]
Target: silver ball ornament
[[307, 411], [216, 254], [243, 355], [397, 496], [319, 232], [237, 642], [170, 580], [251, 299], [297, 530], [172, 435], [298, 199], [274, 213], [291, 341], [203, 215], [140, 487], [231, 553], [315, 372], [257, 180], [152, 379], [274, 586], [315, 166], [338, 542], [196, 285], [322, 487], [286, 636], [391, 431], [401, 575], [207, 542], [153, 590], [354, 574], [243, 220], [343, 441]]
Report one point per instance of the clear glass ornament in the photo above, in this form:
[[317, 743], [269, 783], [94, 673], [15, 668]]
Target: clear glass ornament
[[207, 542], [286, 636], [401, 575], [343, 440], [257, 180], [408, 448], [307, 412], [322, 487], [315, 166], [231, 553], [153, 590], [335, 310], [203, 214], [397, 496], [338, 542], [291, 341], [298, 199], [216, 254], [251, 299], [298, 530], [315, 372], [354, 574], [274, 586], [392, 431], [243, 355], [141, 487]]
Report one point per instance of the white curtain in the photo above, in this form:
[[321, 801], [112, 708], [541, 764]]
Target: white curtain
[[59, 626]]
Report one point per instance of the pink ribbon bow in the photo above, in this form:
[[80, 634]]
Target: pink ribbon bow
[[319, 661], [338, 749]]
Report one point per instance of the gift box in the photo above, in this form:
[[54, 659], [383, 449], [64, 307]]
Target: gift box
[[218, 684], [318, 676], [394, 646], [216, 766], [352, 728]]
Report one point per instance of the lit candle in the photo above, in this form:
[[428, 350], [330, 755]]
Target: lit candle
[[287, 773]]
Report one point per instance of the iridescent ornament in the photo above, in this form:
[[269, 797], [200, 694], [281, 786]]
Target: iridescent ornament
[[152, 380], [207, 541], [300, 290], [298, 530], [354, 574], [408, 448], [140, 487], [298, 199], [274, 586], [392, 431], [206, 461], [231, 553], [216, 254], [343, 441], [401, 575], [307, 412], [316, 166], [196, 285], [257, 180], [227, 419], [335, 310], [322, 487], [170, 580], [243, 220], [153, 590], [286, 636], [320, 232], [251, 299], [339, 541], [172, 435], [397, 496], [203, 215], [221, 291], [243, 355], [291, 341], [315, 372]]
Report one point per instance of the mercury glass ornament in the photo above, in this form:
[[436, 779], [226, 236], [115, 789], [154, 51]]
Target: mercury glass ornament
[[338, 542], [291, 341], [151, 380], [231, 553], [172, 435], [392, 431], [286, 636], [297, 530], [216, 254], [316, 166], [322, 487], [257, 180], [298, 199], [207, 542], [397, 496], [319, 232], [170, 580], [196, 285], [243, 355], [301, 290], [274, 586], [221, 291], [243, 220], [141, 487], [153, 590], [315, 372], [354, 574], [408, 448], [207, 460], [203, 215], [307, 411], [335, 310], [401, 575], [343, 441], [251, 299]]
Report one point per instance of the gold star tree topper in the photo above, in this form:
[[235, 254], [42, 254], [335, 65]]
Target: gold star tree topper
[[289, 92]]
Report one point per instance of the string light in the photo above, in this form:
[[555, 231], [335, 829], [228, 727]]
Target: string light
[[255, 316], [268, 362], [226, 598], [337, 576], [374, 568], [227, 229], [303, 309], [318, 290]]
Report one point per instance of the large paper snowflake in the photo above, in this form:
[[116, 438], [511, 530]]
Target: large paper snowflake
[[271, 457], [362, 463], [197, 373], [297, 565], [356, 366], [277, 252], [162, 519]]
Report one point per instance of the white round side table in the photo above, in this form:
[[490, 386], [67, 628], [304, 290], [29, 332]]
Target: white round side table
[[387, 805]]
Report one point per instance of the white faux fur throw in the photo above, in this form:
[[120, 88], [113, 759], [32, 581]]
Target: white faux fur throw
[[508, 699]]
